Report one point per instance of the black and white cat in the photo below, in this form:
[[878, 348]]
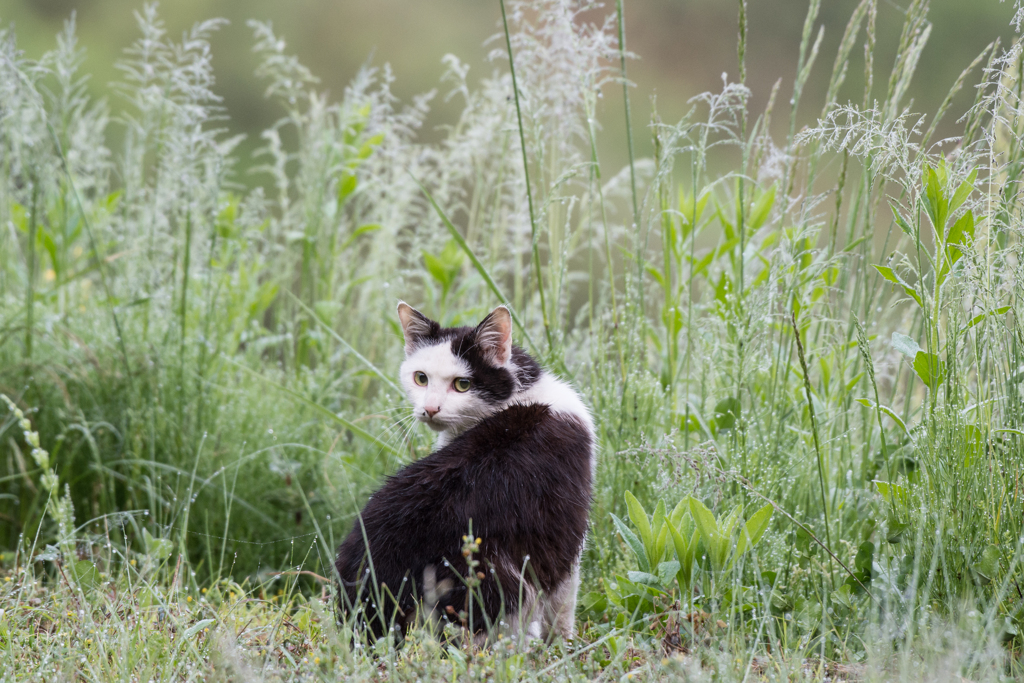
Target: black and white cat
[[515, 454]]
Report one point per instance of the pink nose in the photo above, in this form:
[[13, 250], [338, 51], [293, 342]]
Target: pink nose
[[432, 411]]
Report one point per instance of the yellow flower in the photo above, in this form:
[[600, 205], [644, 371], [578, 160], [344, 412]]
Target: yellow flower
[[50, 275]]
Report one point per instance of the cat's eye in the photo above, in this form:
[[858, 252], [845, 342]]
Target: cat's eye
[[461, 385], [421, 379]]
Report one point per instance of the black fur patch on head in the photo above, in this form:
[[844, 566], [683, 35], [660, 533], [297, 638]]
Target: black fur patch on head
[[428, 333], [492, 384]]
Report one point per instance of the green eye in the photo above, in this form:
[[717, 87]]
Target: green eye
[[461, 385], [421, 379]]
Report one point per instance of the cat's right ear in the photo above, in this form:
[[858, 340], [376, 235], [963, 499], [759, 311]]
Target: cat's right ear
[[415, 326]]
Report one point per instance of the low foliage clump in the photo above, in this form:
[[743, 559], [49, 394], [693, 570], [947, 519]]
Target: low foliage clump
[[806, 371]]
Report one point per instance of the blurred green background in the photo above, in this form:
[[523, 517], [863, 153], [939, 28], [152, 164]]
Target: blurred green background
[[683, 47]]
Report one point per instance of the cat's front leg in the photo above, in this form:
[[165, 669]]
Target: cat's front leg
[[559, 608]]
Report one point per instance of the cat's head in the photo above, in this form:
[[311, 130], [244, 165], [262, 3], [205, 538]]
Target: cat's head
[[456, 376]]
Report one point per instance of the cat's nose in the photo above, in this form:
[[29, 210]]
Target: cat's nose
[[431, 412]]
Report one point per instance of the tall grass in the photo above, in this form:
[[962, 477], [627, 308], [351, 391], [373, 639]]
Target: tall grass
[[832, 327]]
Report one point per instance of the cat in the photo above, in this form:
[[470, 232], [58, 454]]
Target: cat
[[515, 455]]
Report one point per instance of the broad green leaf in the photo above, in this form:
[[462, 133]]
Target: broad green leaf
[[890, 275], [594, 603], [85, 574], [726, 412], [865, 557], [634, 543], [686, 550], [754, 529], [437, 269], [723, 288], [346, 186], [728, 227], [959, 235], [658, 518], [988, 563], [905, 345], [644, 578], [902, 222], [682, 545], [659, 530], [667, 571], [978, 318], [691, 211], [195, 628], [727, 525], [856, 243], [963, 192], [762, 208], [156, 548], [896, 530], [843, 596], [893, 492], [681, 508], [935, 202], [660, 541], [930, 369], [885, 409], [706, 524], [853, 382], [656, 274], [640, 520], [962, 230], [358, 232], [367, 149], [701, 264]]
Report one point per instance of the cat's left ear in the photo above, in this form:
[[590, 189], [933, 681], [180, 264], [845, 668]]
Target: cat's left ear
[[415, 326], [494, 337]]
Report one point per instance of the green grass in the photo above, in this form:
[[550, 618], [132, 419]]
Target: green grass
[[806, 371]]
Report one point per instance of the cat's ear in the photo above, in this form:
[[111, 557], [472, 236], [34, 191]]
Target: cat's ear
[[494, 337], [415, 325]]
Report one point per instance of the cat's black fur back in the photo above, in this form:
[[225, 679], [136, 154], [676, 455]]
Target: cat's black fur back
[[522, 475]]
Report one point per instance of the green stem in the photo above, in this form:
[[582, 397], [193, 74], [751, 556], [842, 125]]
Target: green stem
[[817, 446], [607, 236], [183, 306], [30, 291], [625, 98], [526, 174]]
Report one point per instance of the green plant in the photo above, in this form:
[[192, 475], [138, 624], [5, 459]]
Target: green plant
[[693, 533]]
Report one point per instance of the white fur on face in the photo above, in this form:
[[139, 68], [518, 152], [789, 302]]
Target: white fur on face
[[456, 411]]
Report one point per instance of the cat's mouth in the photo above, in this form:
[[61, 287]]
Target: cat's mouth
[[435, 423]]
